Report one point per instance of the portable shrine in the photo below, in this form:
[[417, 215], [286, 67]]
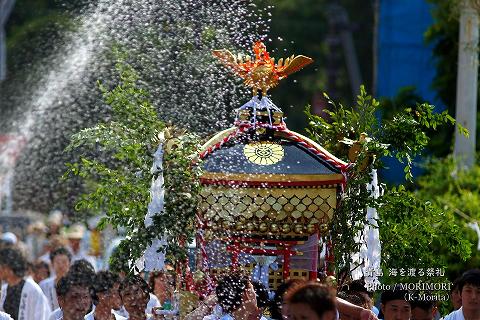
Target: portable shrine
[[268, 193]]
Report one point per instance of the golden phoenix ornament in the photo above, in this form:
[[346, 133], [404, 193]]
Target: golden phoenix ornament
[[261, 73]]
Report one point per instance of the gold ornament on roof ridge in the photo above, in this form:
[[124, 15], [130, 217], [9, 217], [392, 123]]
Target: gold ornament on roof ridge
[[261, 73]]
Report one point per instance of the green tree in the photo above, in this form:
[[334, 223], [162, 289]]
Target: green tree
[[435, 239], [117, 171], [356, 134], [456, 192]]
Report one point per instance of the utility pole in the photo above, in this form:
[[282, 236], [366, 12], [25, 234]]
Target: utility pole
[[6, 7], [467, 84]]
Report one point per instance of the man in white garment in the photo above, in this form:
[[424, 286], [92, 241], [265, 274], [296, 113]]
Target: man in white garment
[[20, 297], [394, 304], [106, 297], [120, 266], [236, 298], [73, 293], [5, 316], [135, 295], [469, 288], [60, 259], [75, 235], [153, 302], [423, 309]]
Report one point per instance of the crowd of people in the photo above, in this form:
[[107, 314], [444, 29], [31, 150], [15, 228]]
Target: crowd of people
[[63, 281], [75, 291], [237, 297]]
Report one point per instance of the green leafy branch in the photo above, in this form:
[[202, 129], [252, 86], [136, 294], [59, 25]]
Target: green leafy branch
[[404, 137], [116, 170], [356, 134]]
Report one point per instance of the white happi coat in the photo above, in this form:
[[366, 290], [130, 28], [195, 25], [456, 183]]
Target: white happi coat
[[91, 316], [455, 315], [5, 316], [48, 288], [57, 314], [33, 303], [153, 302]]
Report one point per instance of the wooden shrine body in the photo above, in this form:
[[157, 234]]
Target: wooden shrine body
[[266, 191]]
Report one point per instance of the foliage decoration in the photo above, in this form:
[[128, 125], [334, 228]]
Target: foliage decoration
[[433, 230], [118, 170], [457, 193], [420, 235], [404, 136]]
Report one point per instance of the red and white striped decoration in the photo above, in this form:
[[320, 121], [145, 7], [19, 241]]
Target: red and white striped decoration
[[242, 127]]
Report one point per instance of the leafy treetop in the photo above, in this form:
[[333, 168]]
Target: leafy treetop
[[404, 136]]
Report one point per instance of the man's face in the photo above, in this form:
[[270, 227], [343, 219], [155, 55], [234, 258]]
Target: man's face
[[368, 299], [134, 299], [163, 284], [111, 298], [74, 244], [456, 298], [160, 284], [470, 297], [421, 314], [396, 310], [76, 303], [61, 264], [4, 270], [40, 274]]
